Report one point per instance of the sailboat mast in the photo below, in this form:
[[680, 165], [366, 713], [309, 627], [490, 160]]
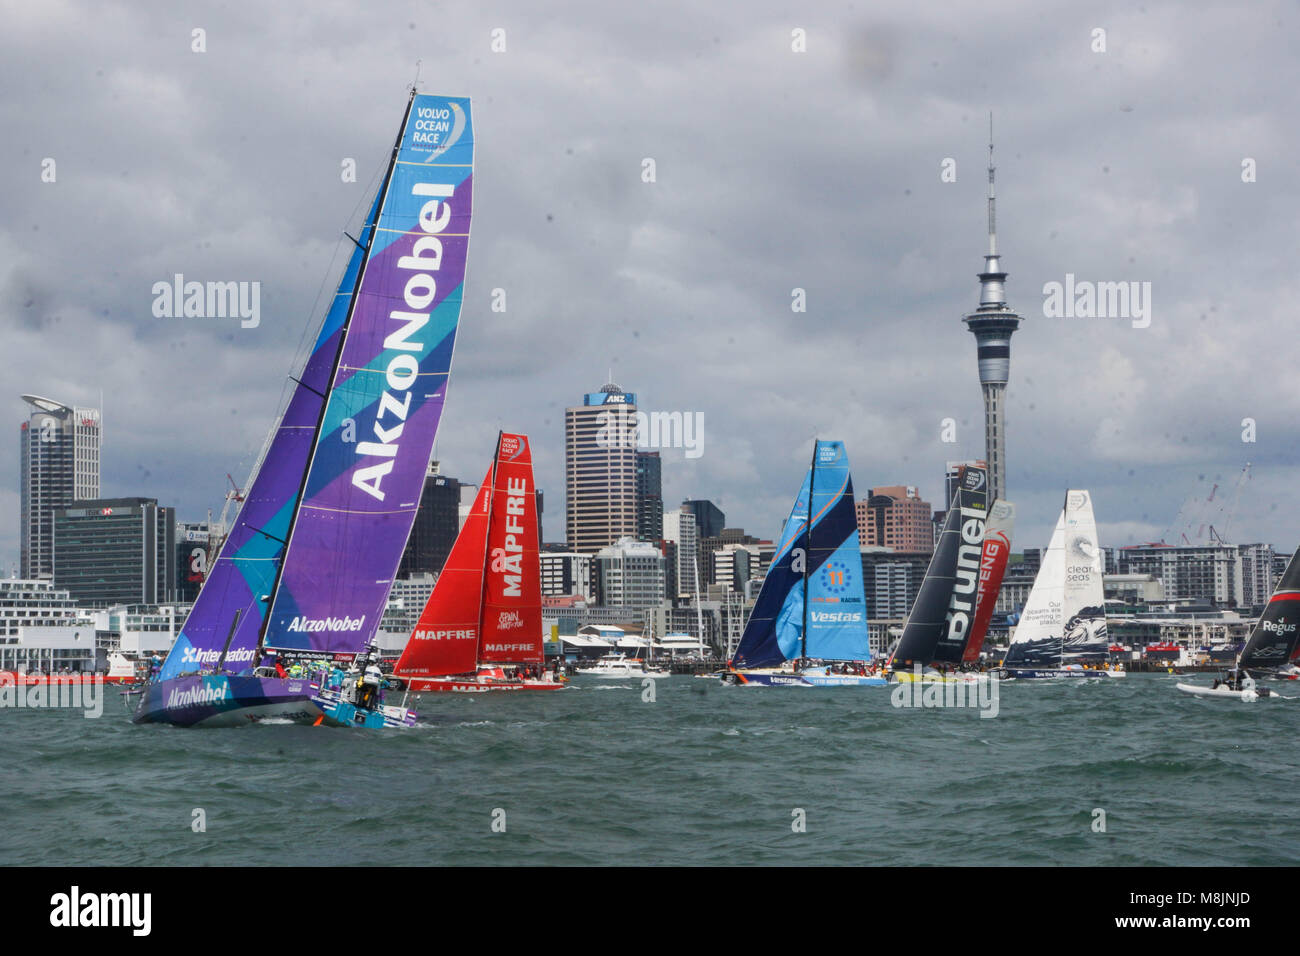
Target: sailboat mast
[[334, 368], [807, 550], [487, 546], [1064, 511], [699, 611]]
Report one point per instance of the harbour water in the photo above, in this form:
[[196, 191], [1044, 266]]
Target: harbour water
[[703, 774]]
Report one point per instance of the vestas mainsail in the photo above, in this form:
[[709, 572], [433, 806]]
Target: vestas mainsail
[[812, 603], [311, 557]]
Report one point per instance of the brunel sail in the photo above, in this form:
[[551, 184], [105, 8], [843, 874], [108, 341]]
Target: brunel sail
[[940, 619], [307, 568], [812, 606]]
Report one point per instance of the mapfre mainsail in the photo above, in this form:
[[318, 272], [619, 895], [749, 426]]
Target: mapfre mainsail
[[385, 394], [486, 605], [512, 590]]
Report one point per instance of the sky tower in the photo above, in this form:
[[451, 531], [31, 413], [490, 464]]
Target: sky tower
[[992, 324]]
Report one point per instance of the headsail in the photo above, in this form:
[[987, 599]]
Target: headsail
[[773, 632], [386, 394], [1273, 640], [512, 599], [1037, 637], [222, 629], [993, 564], [446, 638]]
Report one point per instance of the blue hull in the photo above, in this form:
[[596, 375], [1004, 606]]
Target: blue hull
[[809, 678], [222, 700]]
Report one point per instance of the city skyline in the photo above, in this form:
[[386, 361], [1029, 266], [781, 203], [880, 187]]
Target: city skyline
[[685, 284]]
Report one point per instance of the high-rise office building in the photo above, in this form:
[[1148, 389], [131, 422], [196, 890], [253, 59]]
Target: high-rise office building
[[59, 465], [992, 324], [895, 517], [709, 519], [437, 522], [680, 528], [600, 470], [631, 574], [649, 496], [565, 573], [116, 551]]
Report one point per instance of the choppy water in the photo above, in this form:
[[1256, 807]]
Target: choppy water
[[705, 774]]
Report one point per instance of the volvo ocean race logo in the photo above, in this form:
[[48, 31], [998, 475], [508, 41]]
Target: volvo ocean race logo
[[333, 624], [438, 126]]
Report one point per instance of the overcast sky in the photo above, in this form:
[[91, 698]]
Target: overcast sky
[[775, 170]]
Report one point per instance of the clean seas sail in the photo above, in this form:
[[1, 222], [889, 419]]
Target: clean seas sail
[[512, 591], [1064, 619], [446, 637], [1273, 640], [994, 554], [812, 602], [385, 395]]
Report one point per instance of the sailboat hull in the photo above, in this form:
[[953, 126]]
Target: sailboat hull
[[474, 685], [222, 700], [777, 677], [1053, 673]]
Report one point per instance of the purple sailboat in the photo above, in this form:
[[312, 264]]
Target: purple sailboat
[[298, 589]]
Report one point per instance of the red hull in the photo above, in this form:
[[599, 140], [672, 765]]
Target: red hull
[[468, 685]]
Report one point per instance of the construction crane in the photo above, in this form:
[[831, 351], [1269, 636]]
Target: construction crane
[[1231, 508]]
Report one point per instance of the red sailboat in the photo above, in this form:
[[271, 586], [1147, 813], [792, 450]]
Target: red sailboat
[[481, 629]]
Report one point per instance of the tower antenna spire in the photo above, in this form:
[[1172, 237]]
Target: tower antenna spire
[[993, 215]]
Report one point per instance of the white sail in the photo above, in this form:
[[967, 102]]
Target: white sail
[[1084, 608], [1041, 618], [1064, 619]]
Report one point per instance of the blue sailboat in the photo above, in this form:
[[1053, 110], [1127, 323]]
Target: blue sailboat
[[809, 624], [300, 584]]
